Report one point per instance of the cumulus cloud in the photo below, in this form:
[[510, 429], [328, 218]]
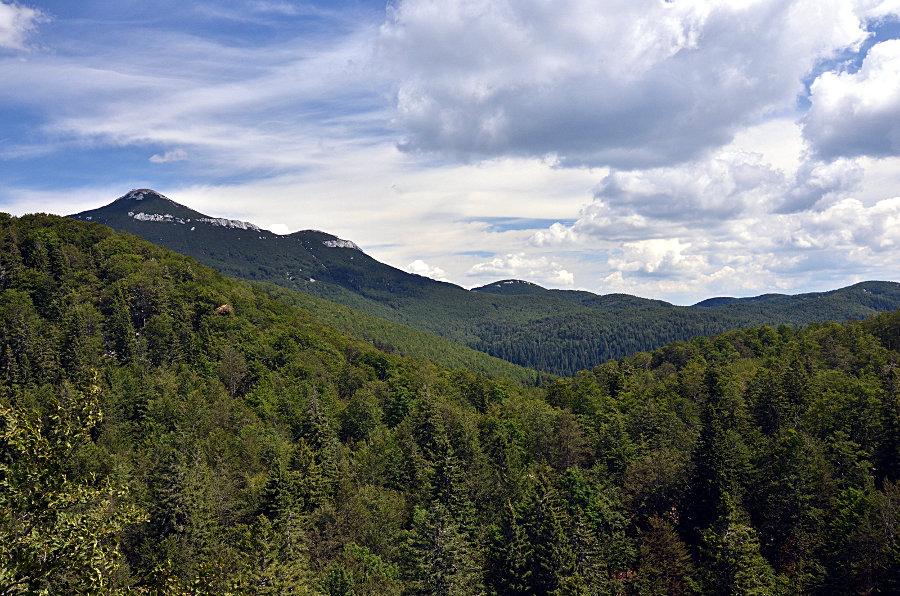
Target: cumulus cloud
[[675, 200], [169, 156], [849, 225], [16, 24], [563, 277], [557, 234], [718, 188], [712, 197], [732, 224], [816, 182], [420, 267], [858, 113], [626, 83], [663, 256], [524, 266]]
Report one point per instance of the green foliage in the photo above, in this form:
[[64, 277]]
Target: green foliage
[[555, 331], [256, 450], [58, 534], [442, 559], [666, 564], [735, 565]]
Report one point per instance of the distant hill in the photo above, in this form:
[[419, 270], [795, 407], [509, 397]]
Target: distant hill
[[512, 287], [557, 331]]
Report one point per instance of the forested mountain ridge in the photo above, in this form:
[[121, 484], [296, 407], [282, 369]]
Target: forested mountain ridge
[[310, 261], [308, 253], [165, 430], [557, 331]]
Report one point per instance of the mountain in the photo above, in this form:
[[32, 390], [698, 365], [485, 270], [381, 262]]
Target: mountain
[[235, 246], [305, 260], [557, 331], [512, 287], [168, 430], [518, 287]]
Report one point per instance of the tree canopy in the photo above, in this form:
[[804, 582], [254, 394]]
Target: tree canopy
[[154, 442]]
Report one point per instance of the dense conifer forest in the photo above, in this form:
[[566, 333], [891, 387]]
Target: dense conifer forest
[[166, 430]]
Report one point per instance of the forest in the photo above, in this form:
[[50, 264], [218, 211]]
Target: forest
[[559, 332], [167, 430]]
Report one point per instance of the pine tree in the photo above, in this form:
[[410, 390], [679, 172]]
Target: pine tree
[[550, 557], [119, 331], [720, 458], [508, 555], [734, 564], [442, 559], [666, 566]]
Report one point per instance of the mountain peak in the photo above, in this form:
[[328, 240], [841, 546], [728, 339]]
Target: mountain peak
[[139, 194], [329, 240], [148, 205], [511, 287]]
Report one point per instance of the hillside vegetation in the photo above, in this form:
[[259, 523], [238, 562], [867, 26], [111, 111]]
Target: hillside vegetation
[[165, 430], [555, 331], [402, 339]]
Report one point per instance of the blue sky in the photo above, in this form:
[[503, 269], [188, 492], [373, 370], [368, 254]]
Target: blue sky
[[675, 150]]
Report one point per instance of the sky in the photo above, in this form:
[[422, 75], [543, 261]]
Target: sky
[[675, 149]]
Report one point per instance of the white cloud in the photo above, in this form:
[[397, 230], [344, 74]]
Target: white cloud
[[733, 224], [169, 156], [284, 8], [631, 83], [850, 226], [707, 198], [534, 268], [557, 234], [17, 22], [511, 265], [420, 267], [563, 277], [279, 228], [714, 189], [658, 255], [858, 113], [817, 182]]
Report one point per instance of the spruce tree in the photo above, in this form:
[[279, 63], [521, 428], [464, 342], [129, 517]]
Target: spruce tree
[[442, 559]]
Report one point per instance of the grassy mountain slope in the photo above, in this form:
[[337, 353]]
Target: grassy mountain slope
[[557, 331], [166, 430]]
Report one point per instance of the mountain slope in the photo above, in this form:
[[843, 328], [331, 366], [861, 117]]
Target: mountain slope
[[168, 430], [557, 331], [241, 249]]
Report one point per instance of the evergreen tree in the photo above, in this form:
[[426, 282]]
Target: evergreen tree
[[550, 557], [792, 513], [442, 559], [119, 331], [734, 564], [507, 566], [666, 566], [720, 458]]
